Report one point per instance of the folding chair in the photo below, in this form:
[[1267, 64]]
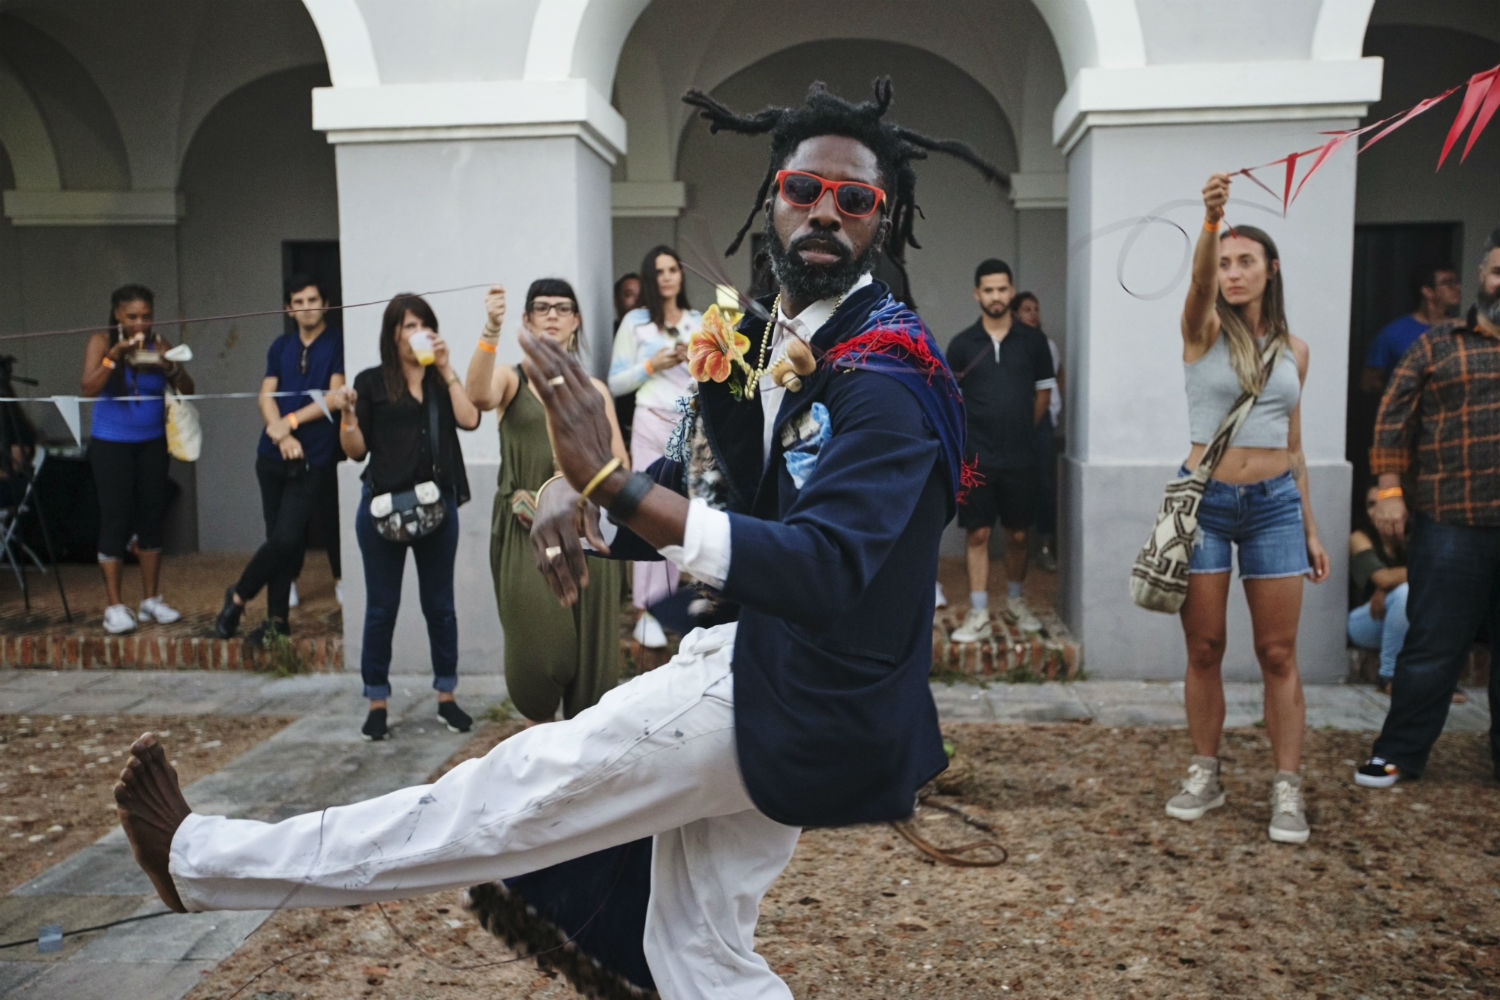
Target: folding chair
[[13, 548]]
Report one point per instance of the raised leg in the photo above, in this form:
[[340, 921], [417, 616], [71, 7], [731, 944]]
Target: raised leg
[[150, 805]]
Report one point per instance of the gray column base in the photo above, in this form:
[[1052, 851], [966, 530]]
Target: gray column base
[[1107, 512], [481, 646]]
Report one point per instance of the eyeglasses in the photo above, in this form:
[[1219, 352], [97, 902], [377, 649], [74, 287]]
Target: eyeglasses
[[561, 308], [302, 364], [853, 198]]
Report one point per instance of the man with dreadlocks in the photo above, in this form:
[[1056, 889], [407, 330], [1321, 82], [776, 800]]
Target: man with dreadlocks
[[806, 704]]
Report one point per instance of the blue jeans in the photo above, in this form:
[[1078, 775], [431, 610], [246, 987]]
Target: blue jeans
[[1386, 635], [385, 564], [1454, 574]]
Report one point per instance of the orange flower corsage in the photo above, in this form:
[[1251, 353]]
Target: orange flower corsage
[[716, 351]]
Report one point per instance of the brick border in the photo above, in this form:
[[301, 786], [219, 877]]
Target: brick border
[[72, 651]]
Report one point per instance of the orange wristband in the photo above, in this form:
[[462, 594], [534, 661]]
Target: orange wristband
[[107, 362], [1210, 227], [292, 421], [648, 367], [486, 346], [1388, 493]]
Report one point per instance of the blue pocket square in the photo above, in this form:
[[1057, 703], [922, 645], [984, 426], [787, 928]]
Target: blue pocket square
[[803, 438]]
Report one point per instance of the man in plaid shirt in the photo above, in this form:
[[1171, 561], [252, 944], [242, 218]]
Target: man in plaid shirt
[[1442, 408]]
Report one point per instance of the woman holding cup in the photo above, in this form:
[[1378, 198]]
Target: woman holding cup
[[386, 415]]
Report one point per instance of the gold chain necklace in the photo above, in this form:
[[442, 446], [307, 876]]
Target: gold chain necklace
[[752, 383]]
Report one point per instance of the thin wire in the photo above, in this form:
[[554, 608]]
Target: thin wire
[[241, 315], [96, 927]]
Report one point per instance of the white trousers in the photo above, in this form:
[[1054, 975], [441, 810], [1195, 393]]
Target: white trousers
[[655, 757]]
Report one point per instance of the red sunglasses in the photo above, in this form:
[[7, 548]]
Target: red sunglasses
[[804, 190]]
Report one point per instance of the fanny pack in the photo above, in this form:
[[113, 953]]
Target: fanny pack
[[408, 515]]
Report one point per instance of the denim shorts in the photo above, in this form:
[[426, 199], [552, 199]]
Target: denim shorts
[[1264, 520]]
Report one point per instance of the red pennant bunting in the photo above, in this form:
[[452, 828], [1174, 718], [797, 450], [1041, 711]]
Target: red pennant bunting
[[1491, 101], [1479, 85], [1480, 104]]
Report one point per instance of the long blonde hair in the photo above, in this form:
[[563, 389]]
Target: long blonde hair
[[1244, 353]]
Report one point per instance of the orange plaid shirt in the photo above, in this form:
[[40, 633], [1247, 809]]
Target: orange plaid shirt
[[1442, 409]]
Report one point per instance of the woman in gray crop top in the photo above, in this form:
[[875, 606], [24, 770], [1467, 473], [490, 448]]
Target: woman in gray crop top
[[1256, 505]]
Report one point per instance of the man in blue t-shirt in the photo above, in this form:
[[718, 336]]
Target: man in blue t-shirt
[[1439, 293], [297, 454]]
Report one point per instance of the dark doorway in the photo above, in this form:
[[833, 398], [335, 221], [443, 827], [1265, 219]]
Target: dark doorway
[[1387, 259], [319, 259]]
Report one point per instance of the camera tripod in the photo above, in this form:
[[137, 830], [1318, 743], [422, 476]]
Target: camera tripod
[[16, 432]]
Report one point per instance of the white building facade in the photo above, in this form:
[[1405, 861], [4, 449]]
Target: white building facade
[[188, 145]]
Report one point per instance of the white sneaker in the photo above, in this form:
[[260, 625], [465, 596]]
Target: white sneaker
[[117, 619], [154, 609], [648, 632], [338, 592], [291, 597], [942, 598], [1025, 620], [975, 626], [1200, 792]]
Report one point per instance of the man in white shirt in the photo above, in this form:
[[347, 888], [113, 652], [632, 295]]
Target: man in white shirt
[[812, 707]]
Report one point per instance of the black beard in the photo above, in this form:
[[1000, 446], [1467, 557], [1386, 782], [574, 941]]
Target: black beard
[[995, 312], [809, 283], [1488, 305]]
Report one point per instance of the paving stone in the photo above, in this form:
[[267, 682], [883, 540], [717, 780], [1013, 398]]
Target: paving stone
[[962, 703], [114, 980], [16, 978], [104, 868], [200, 937], [22, 916]]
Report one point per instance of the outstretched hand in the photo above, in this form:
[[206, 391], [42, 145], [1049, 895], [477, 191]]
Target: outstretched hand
[[581, 446], [576, 422]]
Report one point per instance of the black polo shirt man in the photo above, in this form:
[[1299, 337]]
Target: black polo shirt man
[[1004, 370]]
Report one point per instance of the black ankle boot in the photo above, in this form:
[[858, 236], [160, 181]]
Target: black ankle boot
[[228, 621], [374, 727], [457, 719]]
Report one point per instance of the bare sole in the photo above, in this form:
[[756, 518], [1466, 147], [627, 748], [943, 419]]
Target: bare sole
[[149, 802]]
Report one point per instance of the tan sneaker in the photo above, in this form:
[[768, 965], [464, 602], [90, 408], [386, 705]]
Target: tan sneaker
[[1025, 620], [1288, 812], [1201, 790], [975, 626]]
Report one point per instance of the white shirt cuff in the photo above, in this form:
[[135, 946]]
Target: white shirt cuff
[[704, 552]]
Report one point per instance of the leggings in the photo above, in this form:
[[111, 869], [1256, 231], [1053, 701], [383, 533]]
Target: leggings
[[130, 478]]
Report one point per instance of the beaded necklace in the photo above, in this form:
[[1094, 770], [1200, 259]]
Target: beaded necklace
[[761, 368]]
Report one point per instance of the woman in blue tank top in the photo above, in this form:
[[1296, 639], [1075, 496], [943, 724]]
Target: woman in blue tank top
[[1257, 503], [124, 369]]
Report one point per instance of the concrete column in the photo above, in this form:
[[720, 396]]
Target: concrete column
[[1127, 419], [449, 185]]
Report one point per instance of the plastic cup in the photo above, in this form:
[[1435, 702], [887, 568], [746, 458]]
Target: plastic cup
[[421, 345]]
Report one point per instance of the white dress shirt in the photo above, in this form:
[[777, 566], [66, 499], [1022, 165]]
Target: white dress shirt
[[704, 552]]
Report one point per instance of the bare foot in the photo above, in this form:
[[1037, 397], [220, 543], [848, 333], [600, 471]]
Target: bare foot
[[151, 807]]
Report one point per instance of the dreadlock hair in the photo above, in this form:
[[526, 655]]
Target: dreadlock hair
[[825, 113]]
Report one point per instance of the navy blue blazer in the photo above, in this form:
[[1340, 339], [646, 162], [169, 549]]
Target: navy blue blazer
[[834, 718]]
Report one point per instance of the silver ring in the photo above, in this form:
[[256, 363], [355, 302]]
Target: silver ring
[[552, 552], [556, 380]]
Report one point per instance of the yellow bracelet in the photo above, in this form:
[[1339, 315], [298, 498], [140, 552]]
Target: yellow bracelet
[[486, 346], [1388, 492], [599, 477], [1210, 227], [107, 362], [542, 487]]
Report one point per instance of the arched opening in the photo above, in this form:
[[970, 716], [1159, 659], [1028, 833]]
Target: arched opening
[[255, 176]]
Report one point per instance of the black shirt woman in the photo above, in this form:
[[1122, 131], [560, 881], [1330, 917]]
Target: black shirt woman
[[387, 414], [124, 366]]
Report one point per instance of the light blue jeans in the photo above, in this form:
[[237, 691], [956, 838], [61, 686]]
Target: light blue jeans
[[1384, 634]]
